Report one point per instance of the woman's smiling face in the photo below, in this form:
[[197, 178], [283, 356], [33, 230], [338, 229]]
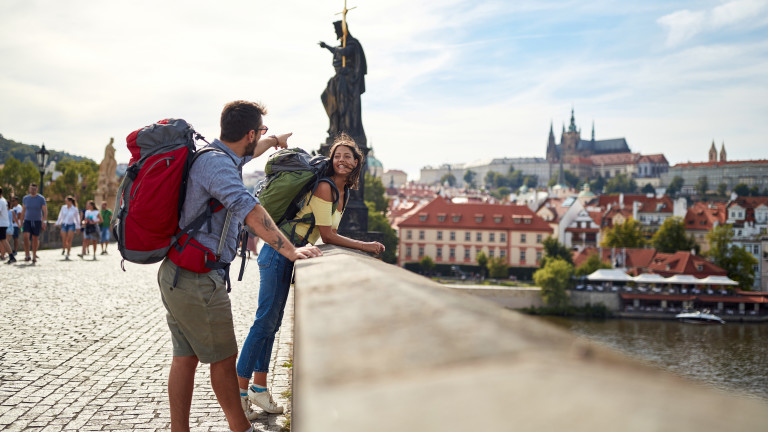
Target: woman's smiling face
[[343, 160]]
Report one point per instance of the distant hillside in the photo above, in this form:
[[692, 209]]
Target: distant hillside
[[22, 152]]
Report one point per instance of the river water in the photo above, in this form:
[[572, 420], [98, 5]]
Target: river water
[[731, 357]]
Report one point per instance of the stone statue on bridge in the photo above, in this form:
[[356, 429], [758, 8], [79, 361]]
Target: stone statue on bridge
[[106, 189]]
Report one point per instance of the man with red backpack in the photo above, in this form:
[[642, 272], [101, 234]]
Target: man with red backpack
[[198, 308]]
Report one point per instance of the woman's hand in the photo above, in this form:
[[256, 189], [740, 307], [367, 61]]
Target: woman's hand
[[373, 247]]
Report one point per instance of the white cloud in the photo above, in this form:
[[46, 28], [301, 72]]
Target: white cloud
[[684, 25]]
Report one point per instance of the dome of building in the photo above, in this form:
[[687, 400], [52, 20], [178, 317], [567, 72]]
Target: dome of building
[[375, 167], [586, 192]]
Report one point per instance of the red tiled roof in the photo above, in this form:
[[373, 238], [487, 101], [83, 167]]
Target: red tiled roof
[[614, 159], [702, 216], [682, 262], [477, 215], [654, 158]]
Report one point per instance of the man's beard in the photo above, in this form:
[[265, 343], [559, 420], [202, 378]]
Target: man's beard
[[251, 147]]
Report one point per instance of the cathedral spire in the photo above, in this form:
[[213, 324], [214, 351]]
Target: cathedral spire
[[723, 157], [572, 127], [713, 152], [593, 130]]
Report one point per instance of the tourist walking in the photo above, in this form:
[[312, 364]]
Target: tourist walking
[[276, 271], [15, 216], [5, 223], [68, 221], [91, 222], [106, 220], [34, 213], [199, 312]]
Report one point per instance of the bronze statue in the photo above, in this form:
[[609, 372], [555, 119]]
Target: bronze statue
[[341, 97]]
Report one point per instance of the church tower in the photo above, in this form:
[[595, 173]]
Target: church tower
[[723, 157], [713, 152], [551, 146]]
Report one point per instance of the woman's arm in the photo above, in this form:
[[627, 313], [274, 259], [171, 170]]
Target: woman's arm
[[330, 236]]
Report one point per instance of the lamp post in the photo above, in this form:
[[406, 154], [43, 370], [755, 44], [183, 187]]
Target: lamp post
[[42, 161]]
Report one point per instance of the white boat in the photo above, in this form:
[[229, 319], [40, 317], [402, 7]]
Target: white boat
[[699, 317]]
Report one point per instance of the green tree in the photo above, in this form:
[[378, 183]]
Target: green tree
[[553, 249], [648, 189], [469, 179], [553, 279], [426, 264], [621, 184], [448, 178], [702, 186], [671, 237], [375, 193], [591, 265], [377, 222], [624, 235], [482, 262], [597, 185], [741, 190], [16, 176], [675, 186], [498, 268], [722, 189], [733, 259], [754, 191]]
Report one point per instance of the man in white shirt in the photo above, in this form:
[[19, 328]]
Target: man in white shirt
[[5, 222], [14, 213]]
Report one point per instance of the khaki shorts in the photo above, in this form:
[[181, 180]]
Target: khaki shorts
[[199, 313]]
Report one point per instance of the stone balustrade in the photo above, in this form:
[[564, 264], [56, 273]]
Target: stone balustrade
[[378, 348]]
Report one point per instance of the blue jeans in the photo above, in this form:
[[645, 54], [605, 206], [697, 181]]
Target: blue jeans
[[275, 272]]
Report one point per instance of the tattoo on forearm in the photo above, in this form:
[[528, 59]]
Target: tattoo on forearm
[[268, 224], [278, 243]]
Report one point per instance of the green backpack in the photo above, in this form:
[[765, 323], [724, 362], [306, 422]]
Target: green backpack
[[291, 175]]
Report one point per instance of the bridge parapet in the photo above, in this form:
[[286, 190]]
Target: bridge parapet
[[378, 348]]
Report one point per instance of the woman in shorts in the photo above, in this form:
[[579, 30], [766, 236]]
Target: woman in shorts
[[91, 222], [69, 220]]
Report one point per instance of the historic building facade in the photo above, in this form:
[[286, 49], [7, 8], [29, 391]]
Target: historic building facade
[[455, 233]]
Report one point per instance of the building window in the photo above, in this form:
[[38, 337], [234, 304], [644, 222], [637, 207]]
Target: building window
[[497, 219], [467, 236], [503, 253], [503, 237], [479, 237], [490, 253], [456, 218], [421, 235], [491, 237], [439, 235], [439, 252], [423, 218], [453, 236], [478, 218], [441, 218], [421, 251], [452, 253], [522, 256], [408, 251], [408, 235], [466, 253], [538, 256], [522, 238], [538, 238]]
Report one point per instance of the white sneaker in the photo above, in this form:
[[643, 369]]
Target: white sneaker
[[250, 414], [264, 401]]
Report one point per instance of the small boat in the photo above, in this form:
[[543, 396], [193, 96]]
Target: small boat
[[699, 317]]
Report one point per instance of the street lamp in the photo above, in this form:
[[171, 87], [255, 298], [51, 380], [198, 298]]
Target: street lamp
[[42, 161]]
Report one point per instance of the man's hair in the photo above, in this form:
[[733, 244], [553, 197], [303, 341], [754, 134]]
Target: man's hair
[[353, 178], [240, 117], [33, 185]]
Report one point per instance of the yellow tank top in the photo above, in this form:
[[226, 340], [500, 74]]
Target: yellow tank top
[[324, 216]]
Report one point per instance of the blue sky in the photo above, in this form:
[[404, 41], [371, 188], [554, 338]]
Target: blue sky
[[448, 82]]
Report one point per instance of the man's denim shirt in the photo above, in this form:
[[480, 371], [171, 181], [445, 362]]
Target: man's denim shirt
[[218, 175]]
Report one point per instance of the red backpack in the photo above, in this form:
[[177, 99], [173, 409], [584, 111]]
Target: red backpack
[[151, 195]]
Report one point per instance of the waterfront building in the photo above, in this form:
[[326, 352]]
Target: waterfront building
[[749, 218], [455, 233], [701, 218], [753, 173]]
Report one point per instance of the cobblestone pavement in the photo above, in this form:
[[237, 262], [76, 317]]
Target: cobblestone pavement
[[85, 346]]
